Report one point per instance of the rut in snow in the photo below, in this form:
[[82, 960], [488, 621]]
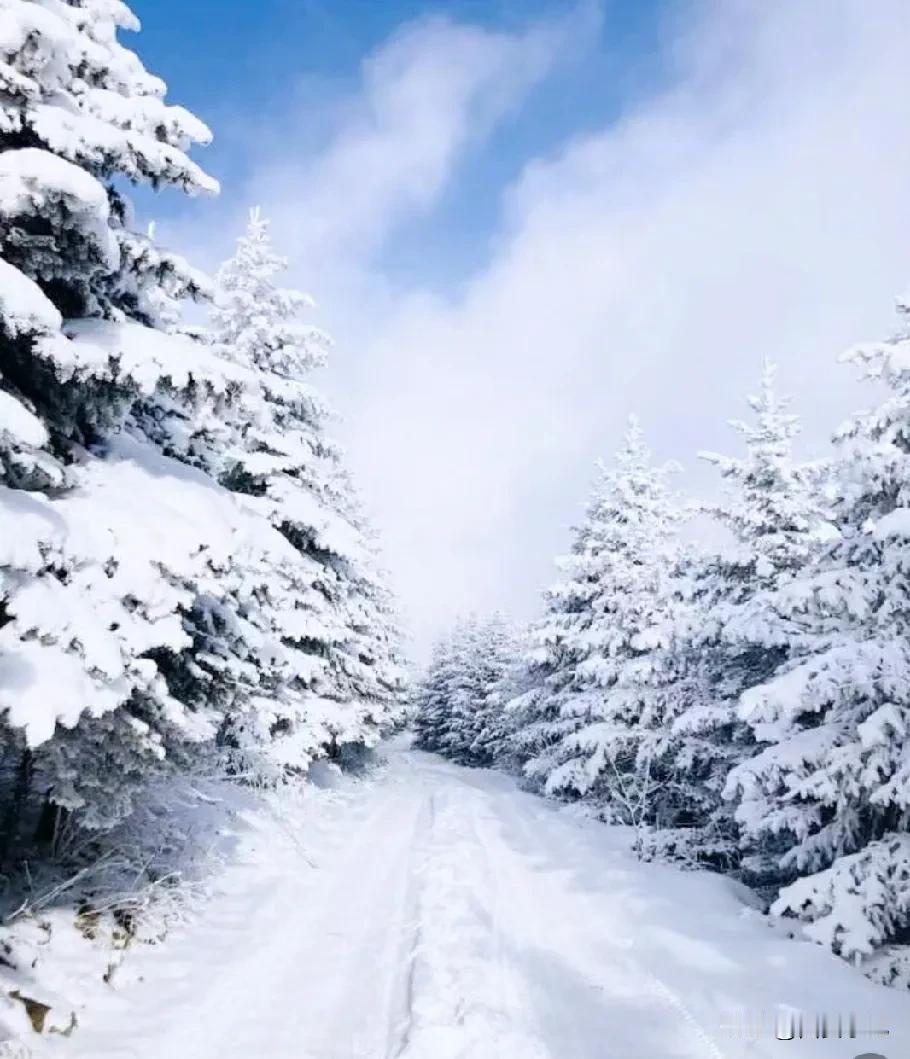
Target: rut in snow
[[454, 917]]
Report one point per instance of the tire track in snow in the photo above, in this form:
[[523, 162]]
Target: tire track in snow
[[465, 1000], [358, 992], [677, 1004], [400, 1026], [449, 917], [583, 950]]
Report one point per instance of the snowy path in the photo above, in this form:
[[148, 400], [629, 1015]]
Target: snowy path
[[448, 915]]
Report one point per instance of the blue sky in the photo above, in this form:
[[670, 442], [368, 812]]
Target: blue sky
[[259, 58], [522, 221], [252, 51]]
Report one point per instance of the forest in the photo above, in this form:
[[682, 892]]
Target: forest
[[741, 706], [205, 670]]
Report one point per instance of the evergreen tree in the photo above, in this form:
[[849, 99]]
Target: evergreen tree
[[78, 111], [583, 726], [466, 689], [726, 638], [830, 786], [430, 698], [83, 298], [697, 742], [480, 654], [313, 662], [459, 707], [776, 521], [496, 659]]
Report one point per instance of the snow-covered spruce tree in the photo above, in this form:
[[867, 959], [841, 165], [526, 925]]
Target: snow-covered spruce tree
[[537, 724], [429, 699], [726, 639], [459, 706], [329, 679], [777, 524], [679, 734], [592, 727], [497, 656], [516, 695], [481, 652], [368, 672], [81, 291], [463, 692], [832, 784]]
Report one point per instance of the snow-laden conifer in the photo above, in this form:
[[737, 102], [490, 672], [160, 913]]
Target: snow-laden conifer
[[429, 699], [460, 706], [333, 678], [584, 723], [830, 786], [83, 607], [726, 638]]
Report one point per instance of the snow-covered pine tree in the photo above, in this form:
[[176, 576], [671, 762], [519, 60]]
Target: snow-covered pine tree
[[777, 524], [726, 639], [464, 691], [82, 294], [334, 678], [536, 722], [688, 746], [369, 671], [429, 700], [516, 696], [497, 657], [831, 784], [482, 652], [78, 111], [582, 729], [459, 706]]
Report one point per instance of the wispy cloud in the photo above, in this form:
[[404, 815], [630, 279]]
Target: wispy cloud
[[756, 208], [428, 94]]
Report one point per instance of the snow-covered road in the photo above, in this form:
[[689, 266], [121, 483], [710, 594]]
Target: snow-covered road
[[438, 912]]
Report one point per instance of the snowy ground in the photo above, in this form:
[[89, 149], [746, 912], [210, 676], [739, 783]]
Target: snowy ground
[[432, 912]]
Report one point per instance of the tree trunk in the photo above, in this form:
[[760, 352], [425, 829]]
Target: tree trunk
[[12, 817], [50, 822]]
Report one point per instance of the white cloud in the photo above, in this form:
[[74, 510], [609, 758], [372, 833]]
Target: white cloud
[[429, 93], [758, 207]]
